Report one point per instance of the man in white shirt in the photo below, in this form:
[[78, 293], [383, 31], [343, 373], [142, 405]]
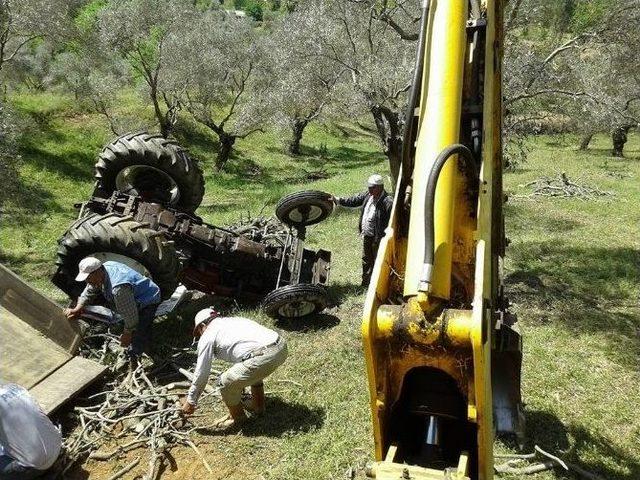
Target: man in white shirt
[[255, 352], [29, 442]]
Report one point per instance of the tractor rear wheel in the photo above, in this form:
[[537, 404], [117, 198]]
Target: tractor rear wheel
[[152, 167], [121, 239], [295, 301]]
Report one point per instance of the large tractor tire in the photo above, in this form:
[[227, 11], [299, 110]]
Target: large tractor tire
[[152, 167], [122, 239], [295, 301], [301, 209]]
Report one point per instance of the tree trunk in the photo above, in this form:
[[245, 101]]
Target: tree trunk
[[619, 138], [586, 140], [224, 149], [389, 130], [297, 129], [165, 126]]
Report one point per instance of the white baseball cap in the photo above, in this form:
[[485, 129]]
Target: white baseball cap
[[87, 266], [204, 315], [374, 180]]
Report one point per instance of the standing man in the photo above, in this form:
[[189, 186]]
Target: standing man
[[29, 442], [133, 296], [375, 206], [255, 352]]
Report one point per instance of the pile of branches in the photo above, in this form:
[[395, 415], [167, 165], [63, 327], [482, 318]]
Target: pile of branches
[[261, 229], [133, 412], [563, 187], [538, 461]]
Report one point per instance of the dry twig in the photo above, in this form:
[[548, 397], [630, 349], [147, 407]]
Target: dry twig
[[562, 186], [132, 406], [513, 464]]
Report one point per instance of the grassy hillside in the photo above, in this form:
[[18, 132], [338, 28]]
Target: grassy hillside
[[572, 273]]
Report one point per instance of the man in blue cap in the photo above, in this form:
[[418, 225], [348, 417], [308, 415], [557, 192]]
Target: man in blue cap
[[132, 295]]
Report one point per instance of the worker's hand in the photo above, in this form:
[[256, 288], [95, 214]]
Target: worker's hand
[[187, 408], [125, 338], [73, 313], [332, 199]]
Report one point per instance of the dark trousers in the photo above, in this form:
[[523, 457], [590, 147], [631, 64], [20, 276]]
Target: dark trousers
[[11, 469], [369, 251], [142, 335]]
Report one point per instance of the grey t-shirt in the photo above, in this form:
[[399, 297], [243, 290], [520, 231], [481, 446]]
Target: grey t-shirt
[[26, 433]]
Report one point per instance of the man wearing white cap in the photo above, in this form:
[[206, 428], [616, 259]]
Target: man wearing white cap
[[132, 295], [375, 206], [255, 352]]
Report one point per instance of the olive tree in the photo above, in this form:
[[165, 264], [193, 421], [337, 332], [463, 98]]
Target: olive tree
[[95, 79], [137, 32], [585, 70], [376, 62], [213, 73], [300, 87], [24, 21]]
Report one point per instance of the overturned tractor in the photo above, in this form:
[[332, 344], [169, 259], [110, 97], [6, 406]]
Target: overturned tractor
[[141, 214]]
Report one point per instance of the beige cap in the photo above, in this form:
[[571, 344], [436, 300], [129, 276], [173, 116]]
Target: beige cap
[[87, 266], [374, 180], [204, 315]]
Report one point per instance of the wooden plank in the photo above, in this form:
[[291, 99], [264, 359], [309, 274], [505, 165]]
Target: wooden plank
[[36, 310], [65, 383], [26, 355]]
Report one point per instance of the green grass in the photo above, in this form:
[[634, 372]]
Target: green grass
[[572, 273]]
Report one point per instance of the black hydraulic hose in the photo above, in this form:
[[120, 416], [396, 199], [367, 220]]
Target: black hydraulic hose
[[414, 94], [429, 214]]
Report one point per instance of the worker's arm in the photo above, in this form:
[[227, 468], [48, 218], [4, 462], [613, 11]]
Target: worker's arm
[[200, 376], [87, 297], [126, 306], [354, 201]]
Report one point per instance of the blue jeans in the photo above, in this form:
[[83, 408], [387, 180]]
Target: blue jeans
[[141, 339], [11, 469]]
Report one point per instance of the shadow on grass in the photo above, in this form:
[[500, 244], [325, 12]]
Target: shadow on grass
[[347, 158], [281, 418], [572, 442], [584, 288], [40, 263], [24, 201], [319, 321], [629, 154], [339, 291], [76, 163]]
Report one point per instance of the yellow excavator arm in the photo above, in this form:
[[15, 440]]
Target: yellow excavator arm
[[443, 354]]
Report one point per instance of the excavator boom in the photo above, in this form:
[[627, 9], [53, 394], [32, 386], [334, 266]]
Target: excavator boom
[[443, 354]]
